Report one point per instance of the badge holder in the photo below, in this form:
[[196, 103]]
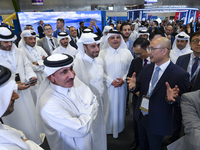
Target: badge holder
[[144, 105]]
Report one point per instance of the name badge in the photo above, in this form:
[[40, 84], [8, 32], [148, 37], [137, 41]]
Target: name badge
[[145, 103], [17, 78]]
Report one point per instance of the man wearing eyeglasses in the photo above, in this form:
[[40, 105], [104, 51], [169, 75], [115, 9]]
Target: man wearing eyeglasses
[[190, 62], [168, 32], [159, 84], [48, 43]]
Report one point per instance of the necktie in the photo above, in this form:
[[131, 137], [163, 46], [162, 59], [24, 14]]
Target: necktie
[[75, 40], [155, 76], [195, 65], [145, 62], [154, 80], [52, 43]]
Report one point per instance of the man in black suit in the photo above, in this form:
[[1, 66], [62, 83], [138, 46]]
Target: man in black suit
[[154, 109], [40, 30], [74, 37], [168, 32], [140, 48], [191, 62]]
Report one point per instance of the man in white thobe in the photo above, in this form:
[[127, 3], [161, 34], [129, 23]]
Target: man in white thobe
[[89, 69], [23, 118], [117, 59], [64, 48], [180, 47], [66, 107], [10, 138], [36, 55]]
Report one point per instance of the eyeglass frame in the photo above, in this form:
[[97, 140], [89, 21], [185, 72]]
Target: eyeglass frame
[[195, 42], [152, 49]]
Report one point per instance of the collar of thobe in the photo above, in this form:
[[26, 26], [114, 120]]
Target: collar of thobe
[[65, 49], [89, 59], [30, 48], [163, 66], [4, 52], [60, 89], [114, 50]]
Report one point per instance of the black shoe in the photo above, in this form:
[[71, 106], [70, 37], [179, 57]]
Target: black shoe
[[134, 145]]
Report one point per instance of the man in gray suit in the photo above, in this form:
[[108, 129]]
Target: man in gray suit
[[190, 107], [125, 29], [48, 43]]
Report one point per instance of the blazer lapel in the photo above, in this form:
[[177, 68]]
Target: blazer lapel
[[165, 75]]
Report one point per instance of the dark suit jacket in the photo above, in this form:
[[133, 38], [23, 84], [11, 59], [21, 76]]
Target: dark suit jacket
[[136, 66], [73, 44], [160, 112], [44, 44], [41, 32], [183, 62]]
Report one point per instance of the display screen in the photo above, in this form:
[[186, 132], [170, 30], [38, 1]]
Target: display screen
[[70, 18], [150, 1], [37, 2]]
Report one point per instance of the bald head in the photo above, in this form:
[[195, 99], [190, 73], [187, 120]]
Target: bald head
[[160, 49]]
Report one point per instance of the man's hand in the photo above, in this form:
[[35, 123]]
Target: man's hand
[[120, 82], [171, 93], [35, 63], [32, 79], [131, 81], [21, 86], [114, 83], [43, 57]]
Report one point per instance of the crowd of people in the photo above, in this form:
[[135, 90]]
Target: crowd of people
[[71, 85]]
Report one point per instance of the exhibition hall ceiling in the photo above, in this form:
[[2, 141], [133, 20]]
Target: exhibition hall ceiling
[[84, 5]]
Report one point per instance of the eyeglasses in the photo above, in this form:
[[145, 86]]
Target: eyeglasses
[[195, 41], [48, 29], [139, 54], [150, 49]]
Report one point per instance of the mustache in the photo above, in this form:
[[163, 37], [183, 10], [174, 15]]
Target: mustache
[[71, 79]]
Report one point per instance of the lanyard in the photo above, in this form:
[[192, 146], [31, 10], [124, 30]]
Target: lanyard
[[190, 68], [151, 88]]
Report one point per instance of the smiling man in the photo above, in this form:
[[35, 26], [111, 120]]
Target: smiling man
[[116, 61], [48, 43], [66, 108], [154, 110]]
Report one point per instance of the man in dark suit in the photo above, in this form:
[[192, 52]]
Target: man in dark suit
[[154, 109], [168, 32], [74, 37], [48, 43], [191, 62], [40, 30], [140, 48]]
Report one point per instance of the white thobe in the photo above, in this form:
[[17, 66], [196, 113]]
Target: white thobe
[[69, 50], [35, 54], [23, 117], [66, 115], [116, 65], [12, 139], [90, 71], [175, 53]]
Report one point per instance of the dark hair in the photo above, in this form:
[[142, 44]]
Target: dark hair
[[61, 20], [81, 22], [112, 24], [47, 25], [142, 42], [156, 32], [194, 34], [124, 24]]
